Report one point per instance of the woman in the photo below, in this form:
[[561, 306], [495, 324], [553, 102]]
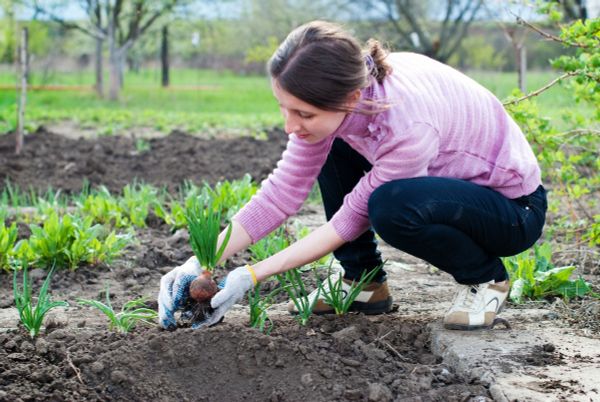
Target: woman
[[402, 146]]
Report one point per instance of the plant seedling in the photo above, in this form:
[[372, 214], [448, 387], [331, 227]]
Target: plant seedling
[[258, 309], [32, 316], [132, 313], [341, 299], [293, 285], [204, 226]]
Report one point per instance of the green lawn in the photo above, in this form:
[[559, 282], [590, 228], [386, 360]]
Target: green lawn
[[200, 100]]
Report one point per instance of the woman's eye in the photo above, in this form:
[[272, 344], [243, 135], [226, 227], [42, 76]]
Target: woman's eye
[[305, 115]]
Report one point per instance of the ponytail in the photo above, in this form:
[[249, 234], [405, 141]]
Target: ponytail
[[375, 60]]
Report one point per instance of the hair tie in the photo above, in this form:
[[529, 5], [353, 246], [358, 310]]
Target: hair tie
[[370, 62]]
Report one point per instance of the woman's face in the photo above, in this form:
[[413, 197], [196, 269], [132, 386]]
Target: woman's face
[[308, 122]]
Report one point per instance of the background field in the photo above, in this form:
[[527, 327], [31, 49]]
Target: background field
[[199, 100]]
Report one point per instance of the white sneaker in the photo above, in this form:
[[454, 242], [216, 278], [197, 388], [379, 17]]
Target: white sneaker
[[476, 306]]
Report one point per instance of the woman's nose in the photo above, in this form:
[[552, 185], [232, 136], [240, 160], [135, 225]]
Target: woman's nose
[[291, 124]]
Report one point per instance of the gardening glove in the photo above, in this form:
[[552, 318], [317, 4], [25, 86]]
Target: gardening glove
[[237, 284], [174, 291]]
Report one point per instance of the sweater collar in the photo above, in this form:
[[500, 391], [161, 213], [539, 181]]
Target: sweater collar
[[356, 123]]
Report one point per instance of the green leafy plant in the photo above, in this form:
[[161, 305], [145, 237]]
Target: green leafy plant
[[568, 150], [137, 201], [293, 285], [132, 313], [269, 245], [339, 298], [232, 195], [534, 276], [259, 317], [8, 237], [32, 316], [142, 145], [67, 241], [228, 196], [103, 208]]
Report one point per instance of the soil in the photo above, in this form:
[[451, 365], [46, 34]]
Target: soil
[[52, 160], [77, 358]]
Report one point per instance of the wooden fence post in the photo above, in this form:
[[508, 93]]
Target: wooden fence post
[[21, 112], [522, 59]]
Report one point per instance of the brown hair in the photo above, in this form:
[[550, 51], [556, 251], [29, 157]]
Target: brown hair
[[322, 65]]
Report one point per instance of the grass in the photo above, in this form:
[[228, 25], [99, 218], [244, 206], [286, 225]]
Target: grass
[[200, 100]]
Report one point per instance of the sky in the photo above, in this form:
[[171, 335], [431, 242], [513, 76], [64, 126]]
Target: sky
[[203, 9], [214, 9]]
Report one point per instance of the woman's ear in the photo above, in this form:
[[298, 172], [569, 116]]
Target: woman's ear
[[353, 98]]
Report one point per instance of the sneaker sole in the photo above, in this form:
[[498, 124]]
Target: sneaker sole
[[466, 327], [461, 327], [381, 307]]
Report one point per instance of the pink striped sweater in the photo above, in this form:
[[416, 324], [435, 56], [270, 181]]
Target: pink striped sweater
[[440, 123]]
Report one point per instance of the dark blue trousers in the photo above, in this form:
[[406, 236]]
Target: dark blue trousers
[[459, 227]]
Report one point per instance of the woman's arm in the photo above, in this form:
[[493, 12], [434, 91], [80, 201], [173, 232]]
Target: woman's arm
[[239, 240], [318, 243]]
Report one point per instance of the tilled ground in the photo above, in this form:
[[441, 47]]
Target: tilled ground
[[76, 358], [353, 358]]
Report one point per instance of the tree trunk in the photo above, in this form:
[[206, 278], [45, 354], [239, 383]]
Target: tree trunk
[[121, 62], [99, 71], [21, 113], [113, 63], [164, 57]]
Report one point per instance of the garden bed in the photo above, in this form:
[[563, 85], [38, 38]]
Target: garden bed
[[76, 357]]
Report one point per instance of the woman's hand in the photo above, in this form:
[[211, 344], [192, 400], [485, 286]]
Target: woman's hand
[[174, 291], [237, 284]]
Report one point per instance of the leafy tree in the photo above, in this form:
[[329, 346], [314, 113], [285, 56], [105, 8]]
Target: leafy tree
[[573, 9], [7, 32], [476, 52], [570, 157]]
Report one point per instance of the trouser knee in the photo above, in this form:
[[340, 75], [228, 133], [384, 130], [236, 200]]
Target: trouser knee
[[393, 211]]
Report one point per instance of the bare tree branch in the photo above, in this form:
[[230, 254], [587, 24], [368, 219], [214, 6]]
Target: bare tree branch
[[549, 36], [542, 89], [66, 24], [454, 39]]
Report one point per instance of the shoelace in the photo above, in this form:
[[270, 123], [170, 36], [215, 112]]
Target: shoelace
[[467, 295]]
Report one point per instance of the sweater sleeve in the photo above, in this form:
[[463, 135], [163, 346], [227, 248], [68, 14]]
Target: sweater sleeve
[[284, 191], [398, 155]]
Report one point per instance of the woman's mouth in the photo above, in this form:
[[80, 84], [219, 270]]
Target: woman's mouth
[[302, 136]]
